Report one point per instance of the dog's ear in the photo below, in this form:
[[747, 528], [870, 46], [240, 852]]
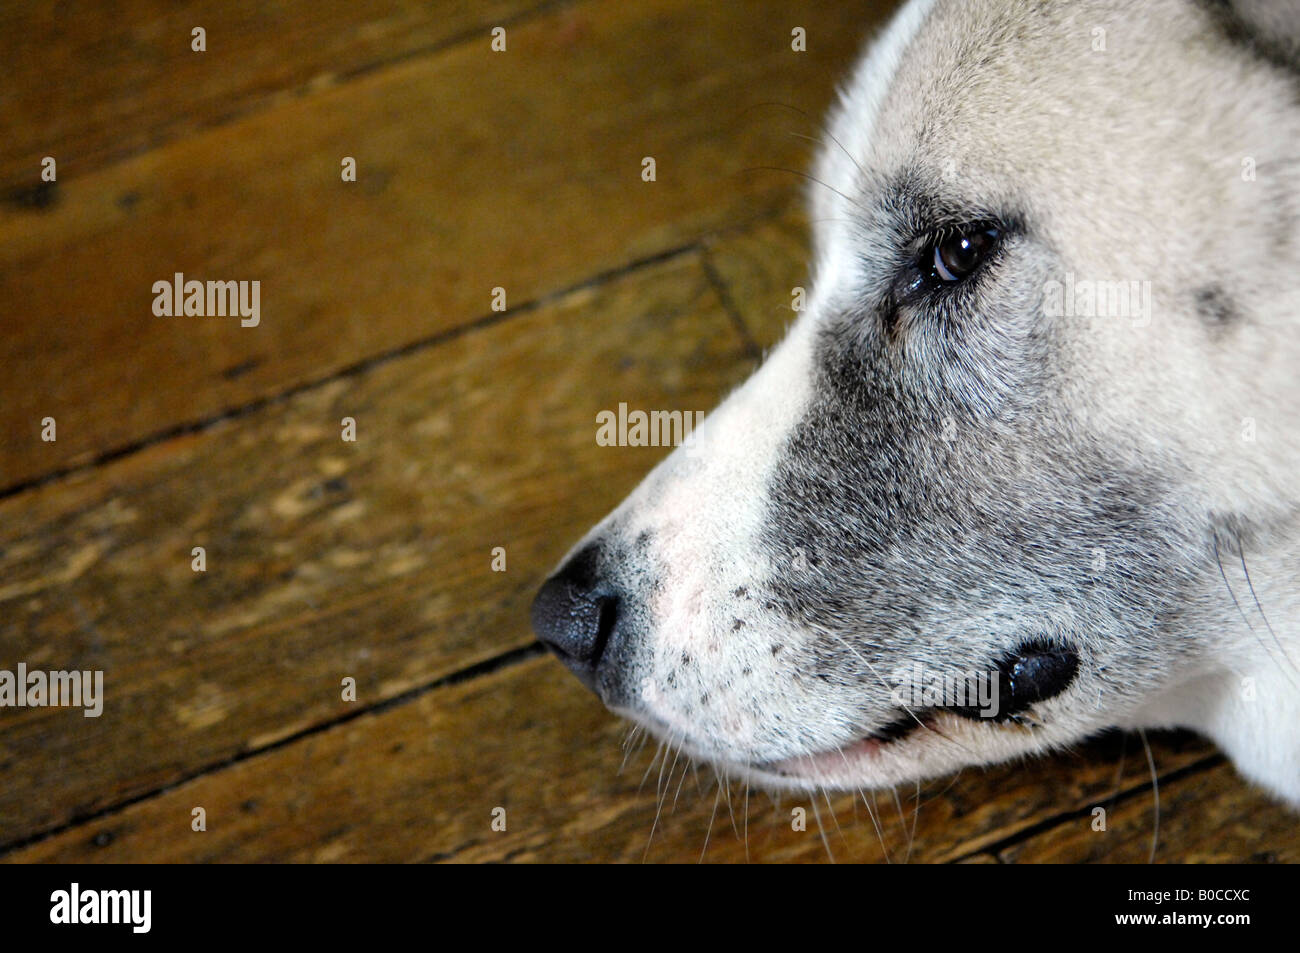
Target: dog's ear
[[1272, 27]]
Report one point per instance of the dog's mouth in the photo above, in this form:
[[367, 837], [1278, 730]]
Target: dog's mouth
[[865, 749], [1034, 673]]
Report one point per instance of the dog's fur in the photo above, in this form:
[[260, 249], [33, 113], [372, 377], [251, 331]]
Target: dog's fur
[[940, 480]]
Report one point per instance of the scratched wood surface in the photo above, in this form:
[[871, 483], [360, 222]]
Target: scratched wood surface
[[476, 170], [475, 429]]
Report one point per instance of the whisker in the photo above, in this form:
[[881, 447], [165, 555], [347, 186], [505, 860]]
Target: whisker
[[946, 788], [747, 819], [1241, 554], [650, 767], [1240, 611], [1155, 791], [659, 809], [776, 813], [734, 829], [685, 768], [902, 821], [816, 121], [907, 709], [821, 830], [629, 748], [916, 812], [880, 835], [810, 178], [834, 820], [875, 823], [716, 798], [817, 140], [660, 788], [876, 804], [898, 805]]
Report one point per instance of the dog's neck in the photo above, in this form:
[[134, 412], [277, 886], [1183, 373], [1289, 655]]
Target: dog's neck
[[1246, 698]]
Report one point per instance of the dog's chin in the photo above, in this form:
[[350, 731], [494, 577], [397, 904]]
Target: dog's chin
[[935, 743], [925, 745]]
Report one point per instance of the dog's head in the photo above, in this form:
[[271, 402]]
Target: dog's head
[[969, 507]]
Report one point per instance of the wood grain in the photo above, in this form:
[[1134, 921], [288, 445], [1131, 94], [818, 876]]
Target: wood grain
[[420, 782], [759, 269], [328, 559], [372, 559], [98, 82], [1208, 817], [477, 170]]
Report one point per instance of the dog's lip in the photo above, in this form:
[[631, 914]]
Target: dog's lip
[[864, 747]]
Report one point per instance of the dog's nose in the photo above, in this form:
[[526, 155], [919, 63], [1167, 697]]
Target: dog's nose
[[573, 615]]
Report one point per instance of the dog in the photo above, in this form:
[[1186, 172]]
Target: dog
[[1026, 467]]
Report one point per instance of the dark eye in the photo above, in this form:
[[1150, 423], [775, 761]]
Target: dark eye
[[958, 253]]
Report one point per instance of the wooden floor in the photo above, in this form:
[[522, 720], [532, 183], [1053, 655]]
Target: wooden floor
[[372, 560]]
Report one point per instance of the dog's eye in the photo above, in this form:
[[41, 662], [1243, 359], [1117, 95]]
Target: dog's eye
[[957, 254]]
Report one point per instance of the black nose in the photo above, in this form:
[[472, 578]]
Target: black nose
[[574, 615]]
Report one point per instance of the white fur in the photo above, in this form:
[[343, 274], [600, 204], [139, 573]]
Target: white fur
[[1115, 153]]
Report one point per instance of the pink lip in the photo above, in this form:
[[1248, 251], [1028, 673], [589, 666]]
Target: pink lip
[[863, 747], [825, 761]]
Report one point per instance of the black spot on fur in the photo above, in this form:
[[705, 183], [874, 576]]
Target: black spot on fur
[[1215, 307], [1279, 50]]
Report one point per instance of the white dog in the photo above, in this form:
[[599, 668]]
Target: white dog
[[1027, 467]]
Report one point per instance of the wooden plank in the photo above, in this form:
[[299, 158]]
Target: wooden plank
[[420, 782], [111, 80], [554, 730], [328, 559], [477, 170], [760, 269], [1208, 817]]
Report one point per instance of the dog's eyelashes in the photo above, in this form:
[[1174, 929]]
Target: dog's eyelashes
[[943, 260], [958, 253]]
